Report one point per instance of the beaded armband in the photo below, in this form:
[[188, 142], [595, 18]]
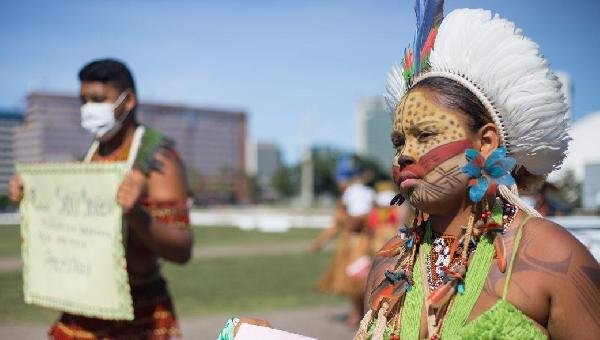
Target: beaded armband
[[173, 212]]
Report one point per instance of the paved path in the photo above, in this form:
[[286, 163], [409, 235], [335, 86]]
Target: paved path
[[319, 322], [10, 264]]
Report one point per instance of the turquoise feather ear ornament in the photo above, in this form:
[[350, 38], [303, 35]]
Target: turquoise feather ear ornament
[[485, 174]]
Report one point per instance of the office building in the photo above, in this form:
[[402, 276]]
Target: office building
[[268, 161], [8, 121], [210, 141], [374, 126]]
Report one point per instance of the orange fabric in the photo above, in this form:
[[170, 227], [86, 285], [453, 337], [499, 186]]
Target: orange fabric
[[120, 154], [154, 318], [350, 247], [379, 216], [174, 212]]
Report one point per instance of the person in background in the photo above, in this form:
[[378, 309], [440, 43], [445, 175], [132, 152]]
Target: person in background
[[385, 219], [343, 176], [347, 272], [152, 196]]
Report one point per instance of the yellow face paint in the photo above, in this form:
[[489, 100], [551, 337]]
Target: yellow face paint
[[420, 125], [423, 125]]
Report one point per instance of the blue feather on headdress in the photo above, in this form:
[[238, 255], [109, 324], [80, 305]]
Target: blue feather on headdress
[[429, 16]]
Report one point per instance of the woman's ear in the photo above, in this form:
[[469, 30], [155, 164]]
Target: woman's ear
[[487, 139]]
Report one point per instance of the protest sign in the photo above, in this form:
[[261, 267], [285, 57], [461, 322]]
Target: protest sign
[[72, 239]]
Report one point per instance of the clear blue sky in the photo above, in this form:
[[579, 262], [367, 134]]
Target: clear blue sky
[[297, 67]]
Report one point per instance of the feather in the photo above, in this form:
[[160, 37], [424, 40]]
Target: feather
[[477, 191], [493, 55], [429, 15], [384, 291], [503, 68], [429, 44], [481, 228], [397, 200], [500, 252], [407, 65], [392, 247], [442, 294], [471, 170], [387, 291], [498, 164], [506, 179]]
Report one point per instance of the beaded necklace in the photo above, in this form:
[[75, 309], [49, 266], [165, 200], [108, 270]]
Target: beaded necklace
[[446, 249], [457, 310], [406, 287]]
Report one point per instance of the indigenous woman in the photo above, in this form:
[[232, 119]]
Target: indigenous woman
[[384, 218], [477, 117]]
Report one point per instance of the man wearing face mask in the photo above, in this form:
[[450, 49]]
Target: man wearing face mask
[[153, 198]]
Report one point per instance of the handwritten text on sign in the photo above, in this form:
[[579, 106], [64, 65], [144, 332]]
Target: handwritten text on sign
[[72, 239]]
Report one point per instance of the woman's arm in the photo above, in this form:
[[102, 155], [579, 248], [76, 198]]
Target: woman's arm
[[573, 283], [162, 222]]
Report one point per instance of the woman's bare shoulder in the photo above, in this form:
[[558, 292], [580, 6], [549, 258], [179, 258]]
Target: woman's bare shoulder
[[570, 273], [553, 242]]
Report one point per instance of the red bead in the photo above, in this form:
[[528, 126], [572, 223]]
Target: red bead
[[394, 337]]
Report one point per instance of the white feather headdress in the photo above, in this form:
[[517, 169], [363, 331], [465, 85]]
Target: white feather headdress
[[490, 57]]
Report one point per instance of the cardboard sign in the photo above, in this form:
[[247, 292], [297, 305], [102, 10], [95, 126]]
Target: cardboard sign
[[72, 244]]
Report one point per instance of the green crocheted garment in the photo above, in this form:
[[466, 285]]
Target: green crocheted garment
[[502, 321]]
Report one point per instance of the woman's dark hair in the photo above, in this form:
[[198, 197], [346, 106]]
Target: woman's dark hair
[[454, 96], [110, 71]]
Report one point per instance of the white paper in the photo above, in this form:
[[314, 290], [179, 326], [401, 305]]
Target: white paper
[[253, 332]]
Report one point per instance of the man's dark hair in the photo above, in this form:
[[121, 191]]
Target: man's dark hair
[[110, 71]]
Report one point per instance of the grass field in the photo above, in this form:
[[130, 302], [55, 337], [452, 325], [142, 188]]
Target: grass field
[[230, 285], [221, 236], [203, 237], [9, 241]]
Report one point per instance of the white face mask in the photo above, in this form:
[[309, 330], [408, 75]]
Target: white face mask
[[99, 118]]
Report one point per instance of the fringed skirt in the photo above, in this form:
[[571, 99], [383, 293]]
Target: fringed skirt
[[346, 274]]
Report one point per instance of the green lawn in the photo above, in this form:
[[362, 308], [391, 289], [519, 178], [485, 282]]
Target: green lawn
[[223, 286], [220, 236], [234, 285], [10, 241], [203, 236], [13, 307]]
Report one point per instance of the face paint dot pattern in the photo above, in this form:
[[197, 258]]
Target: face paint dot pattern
[[425, 124]]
